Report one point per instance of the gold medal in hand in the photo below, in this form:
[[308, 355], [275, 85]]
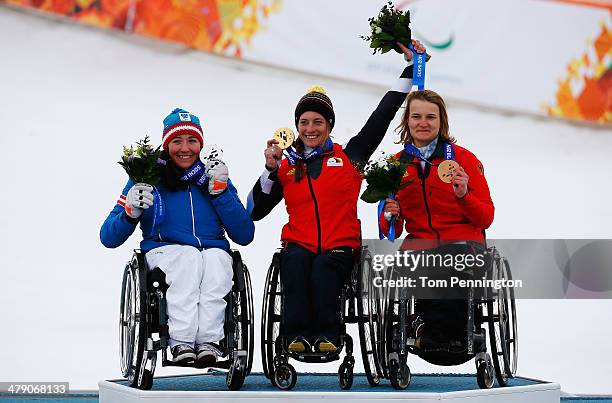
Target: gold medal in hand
[[446, 170], [285, 137]]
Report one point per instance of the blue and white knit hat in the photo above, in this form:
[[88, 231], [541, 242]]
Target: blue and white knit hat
[[178, 122]]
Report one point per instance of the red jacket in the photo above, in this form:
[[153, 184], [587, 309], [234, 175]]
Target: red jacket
[[429, 208], [322, 211]]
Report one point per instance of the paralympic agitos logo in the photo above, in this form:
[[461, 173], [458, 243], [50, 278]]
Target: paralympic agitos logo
[[442, 45]]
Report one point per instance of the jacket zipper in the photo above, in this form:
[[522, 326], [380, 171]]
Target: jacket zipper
[[422, 177], [193, 217], [316, 205]]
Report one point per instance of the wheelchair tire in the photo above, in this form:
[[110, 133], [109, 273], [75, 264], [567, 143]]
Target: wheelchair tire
[[132, 328], [368, 323], [251, 326], [503, 336], [484, 377], [244, 321], [285, 376], [147, 380], [370, 328], [235, 378], [270, 317], [399, 374], [345, 376]]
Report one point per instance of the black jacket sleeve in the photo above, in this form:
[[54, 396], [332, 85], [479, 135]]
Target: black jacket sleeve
[[260, 203], [361, 147]]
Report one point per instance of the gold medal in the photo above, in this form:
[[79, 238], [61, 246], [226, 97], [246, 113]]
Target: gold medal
[[285, 137], [446, 170]]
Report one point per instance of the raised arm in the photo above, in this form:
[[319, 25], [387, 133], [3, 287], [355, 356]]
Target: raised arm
[[361, 147]]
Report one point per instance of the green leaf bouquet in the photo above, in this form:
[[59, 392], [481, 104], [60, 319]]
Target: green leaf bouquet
[[142, 162], [390, 26], [383, 178]]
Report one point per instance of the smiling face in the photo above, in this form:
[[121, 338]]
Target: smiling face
[[184, 150], [313, 129], [423, 122]]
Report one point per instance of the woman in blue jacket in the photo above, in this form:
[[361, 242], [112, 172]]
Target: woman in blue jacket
[[189, 245]]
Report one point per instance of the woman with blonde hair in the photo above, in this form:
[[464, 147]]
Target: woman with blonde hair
[[445, 207]]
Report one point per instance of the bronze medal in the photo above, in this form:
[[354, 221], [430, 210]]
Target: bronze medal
[[446, 170], [285, 137]]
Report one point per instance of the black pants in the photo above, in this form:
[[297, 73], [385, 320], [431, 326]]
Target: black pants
[[311, 290], [446, 318]]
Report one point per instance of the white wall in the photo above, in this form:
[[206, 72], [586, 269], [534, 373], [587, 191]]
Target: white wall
[[70, 97]]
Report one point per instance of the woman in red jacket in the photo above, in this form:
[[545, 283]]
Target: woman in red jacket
[[445, 207], [320, 186]]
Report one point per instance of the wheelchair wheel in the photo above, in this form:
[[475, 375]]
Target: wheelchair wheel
[[484, 374], [244, 321], [132, 328], [345, 376], [369, 324], [399, 374], [271, 311], [235, 377], [285, 376], [396, 365], [147, 380], [501, 308]]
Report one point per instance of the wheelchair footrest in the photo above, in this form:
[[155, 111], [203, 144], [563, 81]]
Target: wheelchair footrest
[[222, 364], [315, 357], [426, 345]]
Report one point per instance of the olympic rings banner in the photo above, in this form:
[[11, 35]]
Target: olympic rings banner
[[551, 57]]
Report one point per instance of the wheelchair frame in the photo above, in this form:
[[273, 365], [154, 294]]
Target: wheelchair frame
[[496, 308], [143, 313], [275, 356]]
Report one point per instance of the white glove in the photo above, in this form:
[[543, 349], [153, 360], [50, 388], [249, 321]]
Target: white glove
[[139, 197], [217, 173]]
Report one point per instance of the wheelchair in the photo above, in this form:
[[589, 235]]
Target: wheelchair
[[143, 314], [489, 308], [356, 307]]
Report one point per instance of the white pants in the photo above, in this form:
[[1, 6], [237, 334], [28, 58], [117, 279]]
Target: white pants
[[197, 282]]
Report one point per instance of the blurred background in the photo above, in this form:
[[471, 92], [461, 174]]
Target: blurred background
[[528, 85]]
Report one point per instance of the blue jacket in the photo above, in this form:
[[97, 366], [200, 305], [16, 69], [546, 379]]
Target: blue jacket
[[192, 217]]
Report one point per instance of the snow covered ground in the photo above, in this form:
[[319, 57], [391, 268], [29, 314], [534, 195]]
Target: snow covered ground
[[71, 96]]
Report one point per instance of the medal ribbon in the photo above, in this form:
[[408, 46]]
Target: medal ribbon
[[191, 173], [159, 211], [449, 152], [391, 233], [411, 150], [418, 68], [293, 155], [196, 174]]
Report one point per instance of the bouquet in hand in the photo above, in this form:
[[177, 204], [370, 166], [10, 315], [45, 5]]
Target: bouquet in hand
[[142, 163], [383, 178], [389, 27]]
